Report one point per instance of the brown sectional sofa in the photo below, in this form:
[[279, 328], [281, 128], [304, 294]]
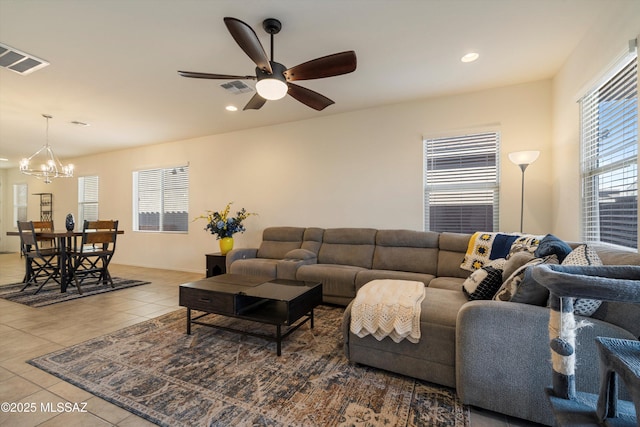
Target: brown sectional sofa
[[495, 353]]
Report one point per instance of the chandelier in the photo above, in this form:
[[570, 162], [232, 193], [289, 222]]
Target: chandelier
[[43, 164]]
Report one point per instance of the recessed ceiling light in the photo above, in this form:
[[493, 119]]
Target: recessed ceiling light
[[231, 108], [2, 159], [470, 57]]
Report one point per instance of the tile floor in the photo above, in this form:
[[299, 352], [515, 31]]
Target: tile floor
[[28, 332]]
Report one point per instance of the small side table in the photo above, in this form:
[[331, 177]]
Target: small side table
[[216, 264]]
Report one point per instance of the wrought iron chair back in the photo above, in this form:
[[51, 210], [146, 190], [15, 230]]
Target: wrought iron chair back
[[90, 260], [40, 263], [40, 226]]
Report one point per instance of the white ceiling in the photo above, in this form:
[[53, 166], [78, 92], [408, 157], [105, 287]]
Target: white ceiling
[[114, 62]]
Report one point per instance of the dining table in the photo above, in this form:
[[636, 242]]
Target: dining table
[[66, 240]]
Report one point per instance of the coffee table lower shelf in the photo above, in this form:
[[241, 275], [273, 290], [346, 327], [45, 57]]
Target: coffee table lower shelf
[[277, 338], [277, 302]]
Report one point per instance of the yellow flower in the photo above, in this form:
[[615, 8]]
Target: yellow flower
[[222, 225]]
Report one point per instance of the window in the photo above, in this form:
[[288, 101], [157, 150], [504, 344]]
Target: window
[[87, 199], [161, 199], [19, 203], [461, 183], [609, 158]]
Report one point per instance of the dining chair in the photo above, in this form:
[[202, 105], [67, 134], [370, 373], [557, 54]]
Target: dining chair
[[41, 263], [90, 259], [43, 226]]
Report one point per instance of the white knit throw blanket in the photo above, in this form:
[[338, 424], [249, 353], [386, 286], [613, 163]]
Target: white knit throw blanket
[[390, 308]]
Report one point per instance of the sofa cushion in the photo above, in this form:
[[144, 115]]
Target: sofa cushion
[[433, 358], [277, 241], [255, 267], [406, 250], [312, 239], [337, 279], [452, 249], [454, 242], [625, 315], [348, 246], [612, 256], [365, 276], [448, 283]]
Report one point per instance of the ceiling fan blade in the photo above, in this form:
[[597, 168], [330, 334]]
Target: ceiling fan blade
[[308, 97], [327, 66], [255, 103], [197, 75], [247, 39]]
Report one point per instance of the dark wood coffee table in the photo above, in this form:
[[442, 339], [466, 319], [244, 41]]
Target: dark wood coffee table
[[278, 302]]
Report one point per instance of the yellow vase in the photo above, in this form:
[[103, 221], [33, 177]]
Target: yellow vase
[[226, 244]]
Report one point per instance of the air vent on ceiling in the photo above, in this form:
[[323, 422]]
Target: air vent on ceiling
[[236, 87], [19, 62]]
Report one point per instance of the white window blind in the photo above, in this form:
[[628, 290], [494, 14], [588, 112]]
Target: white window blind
[[87, 199], [609, 159], [161, 198], [19, 203], [461, 183]]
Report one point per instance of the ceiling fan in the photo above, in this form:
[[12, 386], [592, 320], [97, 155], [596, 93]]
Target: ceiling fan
[[273, 78]]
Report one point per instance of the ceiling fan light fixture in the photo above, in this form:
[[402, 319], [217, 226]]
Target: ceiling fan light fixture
[[271, 88], [274, 79]]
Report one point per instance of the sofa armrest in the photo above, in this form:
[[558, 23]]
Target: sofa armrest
[[503, 357], [241, 253], [293, 260], [287, 268]]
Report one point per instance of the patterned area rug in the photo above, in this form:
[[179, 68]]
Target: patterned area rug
[[51, 294], [218, 378]]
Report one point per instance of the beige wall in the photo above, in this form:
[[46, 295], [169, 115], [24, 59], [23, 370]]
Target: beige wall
[[361, 169], [597, 52]]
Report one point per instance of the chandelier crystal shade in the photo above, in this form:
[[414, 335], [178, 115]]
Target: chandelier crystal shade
[[44, 164]]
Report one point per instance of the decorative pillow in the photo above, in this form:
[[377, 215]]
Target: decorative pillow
[[514, 262], [484, 282], [584, 255], [551, 245], [531, 292], [484, 247], [510, 286], [524, 243]]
